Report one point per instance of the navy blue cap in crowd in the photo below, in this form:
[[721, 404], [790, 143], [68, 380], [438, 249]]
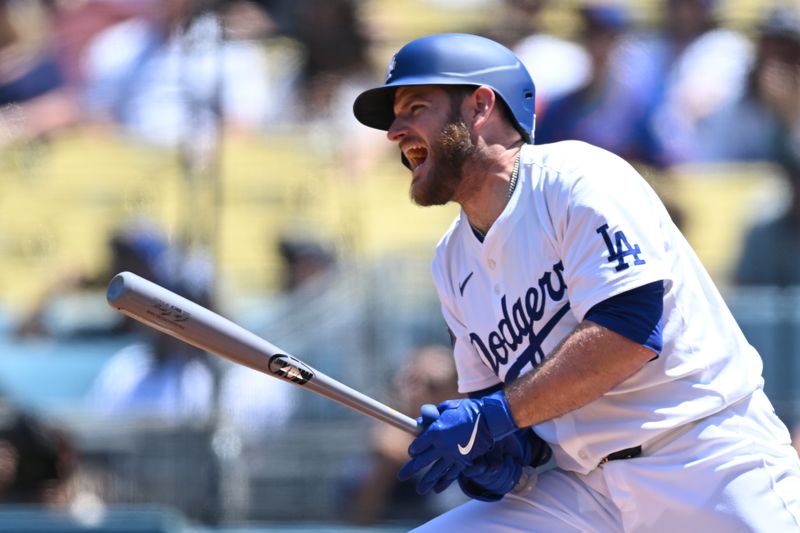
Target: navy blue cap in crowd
[[606, 16], [782, 22]]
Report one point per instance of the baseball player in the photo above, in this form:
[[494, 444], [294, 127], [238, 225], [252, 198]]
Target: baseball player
[[582, 322]]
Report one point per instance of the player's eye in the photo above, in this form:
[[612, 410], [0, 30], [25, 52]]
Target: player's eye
[[415, 108]]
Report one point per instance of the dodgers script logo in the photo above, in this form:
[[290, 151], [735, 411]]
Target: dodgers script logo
[[519, 324]]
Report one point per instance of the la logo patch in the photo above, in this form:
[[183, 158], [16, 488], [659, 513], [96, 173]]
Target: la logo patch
[[620, 248]]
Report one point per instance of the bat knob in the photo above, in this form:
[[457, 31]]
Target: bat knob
[[116, 288], [430, 414]]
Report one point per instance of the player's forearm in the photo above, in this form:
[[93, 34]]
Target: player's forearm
[[589, 363]]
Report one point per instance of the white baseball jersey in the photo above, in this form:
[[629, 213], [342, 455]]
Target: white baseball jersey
[[583, 226]]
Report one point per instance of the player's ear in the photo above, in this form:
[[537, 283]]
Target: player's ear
[[482, 102]]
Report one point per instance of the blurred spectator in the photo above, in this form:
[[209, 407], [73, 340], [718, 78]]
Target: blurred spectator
[[334, 68], [76, 23], [304, 261], [139, 246], [557, 65], [335, 53], [34, 99], [37, 460], [156, 378], [687, 70], [428, 376], [155, 375], [254, 406], [764, 124], [257, 405], [174, 73], [771, 251], [606, 111]]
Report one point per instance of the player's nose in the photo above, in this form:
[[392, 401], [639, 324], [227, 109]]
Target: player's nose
[[397, 130]]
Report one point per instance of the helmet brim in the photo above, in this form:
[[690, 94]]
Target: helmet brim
[[374, 107]]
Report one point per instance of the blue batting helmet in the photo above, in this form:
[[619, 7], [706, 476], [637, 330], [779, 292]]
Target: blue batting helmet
[[452, 59]]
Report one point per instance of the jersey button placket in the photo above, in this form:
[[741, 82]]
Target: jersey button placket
[[492, 264]]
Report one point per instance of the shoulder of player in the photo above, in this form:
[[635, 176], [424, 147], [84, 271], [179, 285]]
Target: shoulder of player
[[564, 156], [568, 161]]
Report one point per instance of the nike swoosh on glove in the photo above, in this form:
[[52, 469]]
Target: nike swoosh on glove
[[465, 430], [496, 473]]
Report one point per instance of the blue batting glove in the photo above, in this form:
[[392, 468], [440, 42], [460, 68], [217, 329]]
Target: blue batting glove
[[430, 413], [491, 477], [495, 474], [442, 475], [465, 430]]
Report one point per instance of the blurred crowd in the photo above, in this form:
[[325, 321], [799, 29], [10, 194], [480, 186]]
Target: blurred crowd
[[174, 73], [661, 93], [687, 84]]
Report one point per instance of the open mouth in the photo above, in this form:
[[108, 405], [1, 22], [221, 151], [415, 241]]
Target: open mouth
[[416, 155]]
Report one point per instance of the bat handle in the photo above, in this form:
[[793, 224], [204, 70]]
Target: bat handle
[[401, 421]]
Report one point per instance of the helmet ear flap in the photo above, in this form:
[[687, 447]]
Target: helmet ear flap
[[529, 103]]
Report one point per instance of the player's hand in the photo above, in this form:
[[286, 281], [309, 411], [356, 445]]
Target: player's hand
[[491, 477], [465, 430], [495, 474]]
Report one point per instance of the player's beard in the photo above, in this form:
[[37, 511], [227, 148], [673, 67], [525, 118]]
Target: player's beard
[[449, 151]]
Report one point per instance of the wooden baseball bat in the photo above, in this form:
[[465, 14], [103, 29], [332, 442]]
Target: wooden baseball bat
[[159, 308]]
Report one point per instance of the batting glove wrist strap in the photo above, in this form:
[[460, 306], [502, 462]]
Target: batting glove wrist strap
[[537, 451], [498, 415]]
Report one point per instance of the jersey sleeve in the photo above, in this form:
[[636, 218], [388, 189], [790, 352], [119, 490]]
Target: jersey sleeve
[[609, 229], [473, 375], [635, 314]]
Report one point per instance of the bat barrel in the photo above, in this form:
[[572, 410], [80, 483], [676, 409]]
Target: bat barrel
[[194, 324]]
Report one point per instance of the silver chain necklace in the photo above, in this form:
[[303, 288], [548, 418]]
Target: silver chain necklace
[[512, 182]]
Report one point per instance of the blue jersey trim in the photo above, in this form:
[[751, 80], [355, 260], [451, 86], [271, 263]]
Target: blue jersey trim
[[635, 314]]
